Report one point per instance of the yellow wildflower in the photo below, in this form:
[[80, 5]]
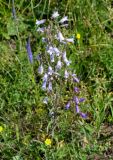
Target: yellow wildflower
[[78, 36], [1, 129], [48, 141]]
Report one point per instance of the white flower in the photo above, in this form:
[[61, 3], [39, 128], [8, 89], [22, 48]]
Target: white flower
[[66, 74], [55, 14], [44, 85], [40, 69], [60, 37], [59, 64], [50, 70], [70, 40], [38, 22], [64, 19]]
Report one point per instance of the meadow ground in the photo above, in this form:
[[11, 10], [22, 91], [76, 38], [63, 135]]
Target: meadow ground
[[27, 131]]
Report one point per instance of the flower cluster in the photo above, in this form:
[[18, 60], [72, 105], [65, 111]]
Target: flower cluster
[[54, 64], [56, 59], [76, 102]]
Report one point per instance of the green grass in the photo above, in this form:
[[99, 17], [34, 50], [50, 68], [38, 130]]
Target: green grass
[[24, 118]]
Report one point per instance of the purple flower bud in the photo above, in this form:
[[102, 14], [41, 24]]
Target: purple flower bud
[[81, 99], [50, 86], [44, 85], [66, 74], [76, 89], [75, 79], [83, 115], [59, 65], [13, 10], [76, 100], [77, 109], [67, 105], [45, 77], [28, 47]]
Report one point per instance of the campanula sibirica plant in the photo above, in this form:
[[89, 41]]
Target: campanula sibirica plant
[[54, 63]]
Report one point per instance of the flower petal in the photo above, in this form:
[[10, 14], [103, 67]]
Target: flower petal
[[83, 115]]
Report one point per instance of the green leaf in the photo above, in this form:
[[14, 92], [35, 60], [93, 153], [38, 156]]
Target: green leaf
[[11, 28]]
